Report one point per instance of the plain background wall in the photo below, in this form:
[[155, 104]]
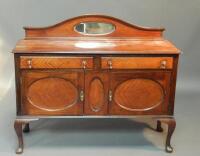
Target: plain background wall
[[181, 18]]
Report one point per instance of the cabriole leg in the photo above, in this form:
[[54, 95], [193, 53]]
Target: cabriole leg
[[18, 125], [18, 129], [171, 127]]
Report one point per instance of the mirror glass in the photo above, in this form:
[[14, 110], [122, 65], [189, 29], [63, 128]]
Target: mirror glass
[[94, 28]]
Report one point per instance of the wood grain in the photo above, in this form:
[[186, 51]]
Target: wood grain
[[128, 72], [39, 62], [126, 39], [52, 93], [66, 28], [136, 62], [140, 93], [96, 94], [96, 90], [92, 45]]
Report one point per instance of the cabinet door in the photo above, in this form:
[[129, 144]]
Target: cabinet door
[[96, 93], [140, 93], [52, 93]]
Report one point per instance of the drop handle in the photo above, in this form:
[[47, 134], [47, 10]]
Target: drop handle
[[29, 62], [110, 64], [163, 64], [110, 95], [81, 95], [84, 64]]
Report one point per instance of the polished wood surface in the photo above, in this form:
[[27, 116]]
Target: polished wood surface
[[61, 72], [171, 123], [39, 62], [62, 38], [18, 129], [52, 93], [140, 93], [137, 62], [96, 90], [66, 28], [96, 46]]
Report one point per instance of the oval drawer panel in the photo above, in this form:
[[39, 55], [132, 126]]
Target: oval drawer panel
[[139, 94], [52, 94], [96, 95]]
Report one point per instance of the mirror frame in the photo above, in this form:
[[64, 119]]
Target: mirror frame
[[97, 34]]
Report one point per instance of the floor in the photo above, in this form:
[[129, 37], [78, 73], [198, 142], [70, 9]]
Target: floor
[[105, 137]]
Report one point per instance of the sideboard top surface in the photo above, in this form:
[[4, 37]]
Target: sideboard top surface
[[126, 38]]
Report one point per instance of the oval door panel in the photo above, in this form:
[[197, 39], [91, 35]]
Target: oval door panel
[[52, 94], [96, 95], [139, 94]]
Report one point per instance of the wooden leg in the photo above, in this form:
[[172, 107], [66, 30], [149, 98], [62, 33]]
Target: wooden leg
[[26, 128], [18, 130], [18, 125], [171, 127], [159, 127]]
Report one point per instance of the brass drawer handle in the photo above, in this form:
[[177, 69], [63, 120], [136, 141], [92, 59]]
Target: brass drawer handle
[[82, 95], [110, 95], [29, 62], [163, 64], [110, 64], [84, 64]]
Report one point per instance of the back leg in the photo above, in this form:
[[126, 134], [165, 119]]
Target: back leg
[[26, 128]]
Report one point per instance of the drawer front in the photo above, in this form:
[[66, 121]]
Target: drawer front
[[137, 62], [37, 62]]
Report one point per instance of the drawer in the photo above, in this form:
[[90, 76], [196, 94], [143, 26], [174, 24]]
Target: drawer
[[39, 62], [136, 62]]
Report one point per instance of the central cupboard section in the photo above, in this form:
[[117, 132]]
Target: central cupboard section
[[95, 86]]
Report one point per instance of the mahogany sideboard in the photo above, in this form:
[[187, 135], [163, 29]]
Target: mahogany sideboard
[[95, 66]]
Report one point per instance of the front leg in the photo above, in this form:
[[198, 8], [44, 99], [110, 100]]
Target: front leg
[[171, 127], [18, 129]]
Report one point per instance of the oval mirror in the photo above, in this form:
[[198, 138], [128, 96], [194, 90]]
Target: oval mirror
[[94, 28]]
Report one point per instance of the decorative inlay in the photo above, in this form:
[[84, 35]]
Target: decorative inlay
[[96, 94], [52, 94], [139, 94]]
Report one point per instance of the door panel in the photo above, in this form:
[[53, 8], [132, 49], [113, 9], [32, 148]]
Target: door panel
[[96, 89], [145, 93], [140, 93], [52, 93]]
